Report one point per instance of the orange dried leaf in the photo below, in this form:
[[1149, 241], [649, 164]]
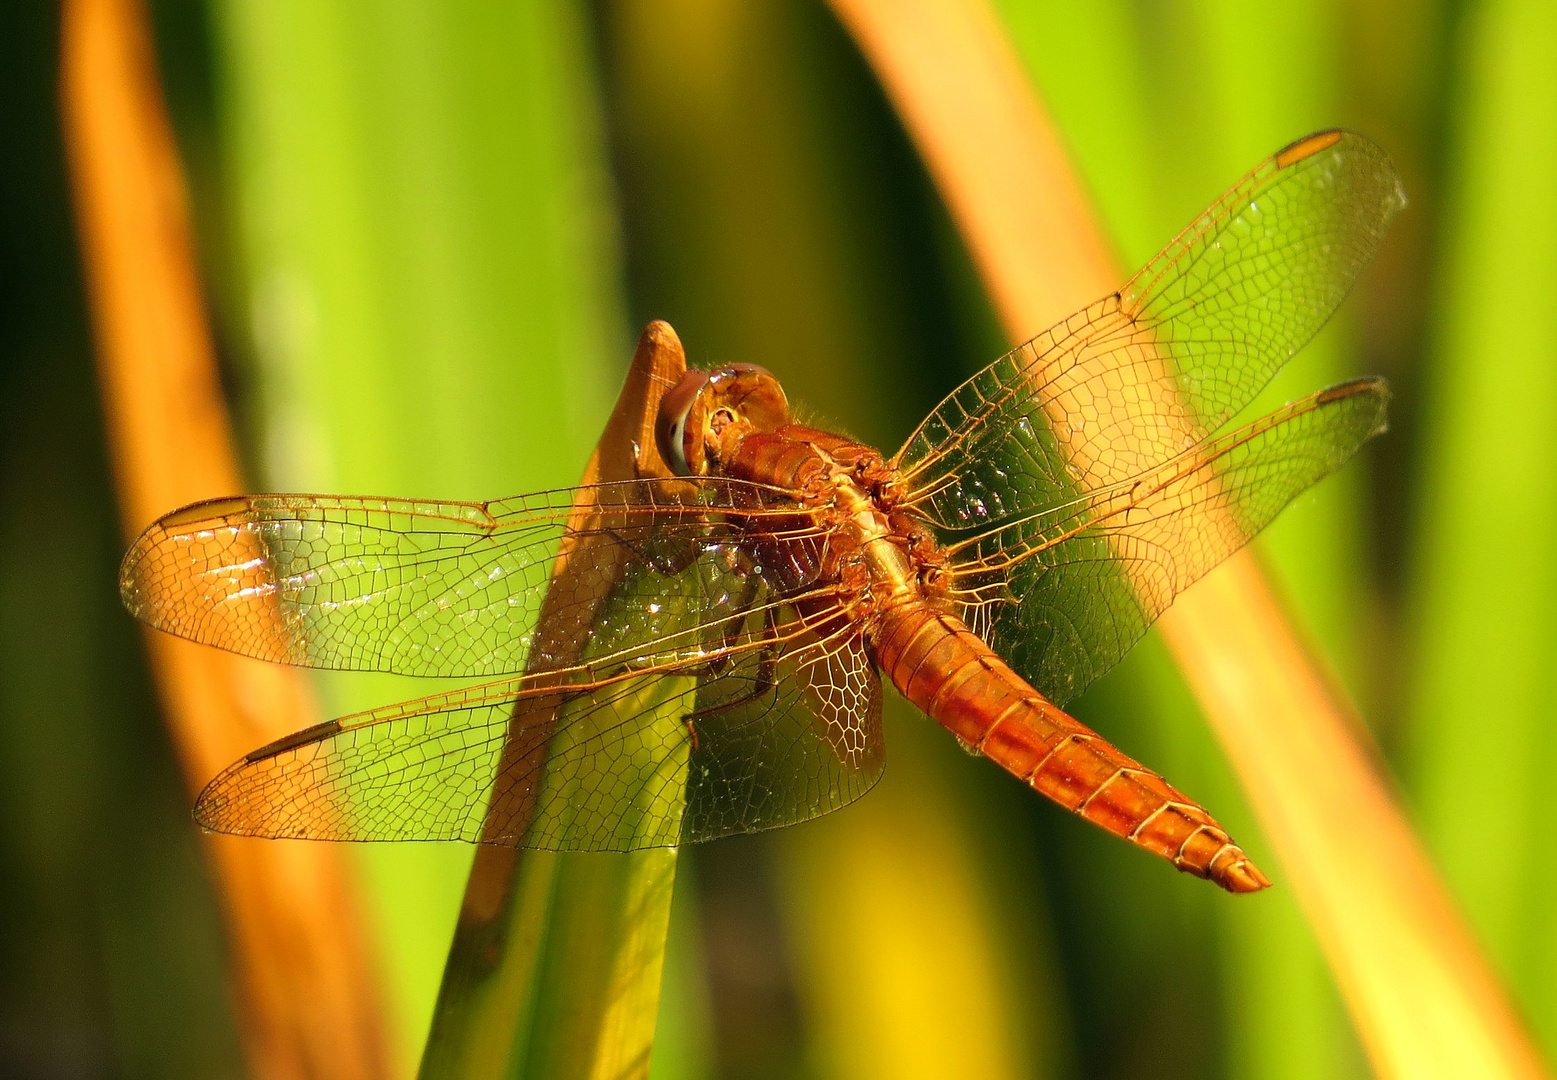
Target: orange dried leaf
[[308, 1005]]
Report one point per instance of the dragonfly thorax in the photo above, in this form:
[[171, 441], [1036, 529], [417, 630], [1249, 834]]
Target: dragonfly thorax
[[876, 550]]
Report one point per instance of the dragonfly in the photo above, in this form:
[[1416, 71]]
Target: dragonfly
[[696, 648]]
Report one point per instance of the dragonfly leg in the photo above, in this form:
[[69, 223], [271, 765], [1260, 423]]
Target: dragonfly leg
[[764, 683]]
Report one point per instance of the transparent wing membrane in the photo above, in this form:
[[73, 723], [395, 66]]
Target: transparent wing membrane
[[1063, 594], [1138, 376], [771, 723], [415, 588], [1028, 468]]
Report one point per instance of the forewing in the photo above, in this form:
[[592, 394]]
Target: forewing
[[416, 588], [1063, 594], [600, 757], [1137, 377]]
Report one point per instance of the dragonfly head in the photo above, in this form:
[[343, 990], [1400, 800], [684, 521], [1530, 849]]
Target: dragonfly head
[[706, 410]]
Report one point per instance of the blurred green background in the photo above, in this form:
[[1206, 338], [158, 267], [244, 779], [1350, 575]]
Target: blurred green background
[[429, 230]]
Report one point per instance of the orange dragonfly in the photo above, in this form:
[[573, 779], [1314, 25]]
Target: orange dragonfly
[[697, 650]]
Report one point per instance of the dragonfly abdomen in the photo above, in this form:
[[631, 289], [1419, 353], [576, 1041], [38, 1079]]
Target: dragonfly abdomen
[[948, 672]]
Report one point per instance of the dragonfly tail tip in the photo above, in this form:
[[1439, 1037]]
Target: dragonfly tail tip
[[1241, 876]]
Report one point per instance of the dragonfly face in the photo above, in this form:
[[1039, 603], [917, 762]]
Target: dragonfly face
[[677, 658], [705, 410]]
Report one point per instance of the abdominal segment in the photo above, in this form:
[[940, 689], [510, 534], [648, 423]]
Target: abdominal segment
[[947, 671]]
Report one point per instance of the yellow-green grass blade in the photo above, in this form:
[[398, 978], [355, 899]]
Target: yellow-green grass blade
[[1481, 738], [1163, 112], [563, 979], [431, 283]]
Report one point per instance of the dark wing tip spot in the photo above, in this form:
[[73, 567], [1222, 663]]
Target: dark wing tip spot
[[317, 733], [1369, 385], [1307, 146], [203, 511]]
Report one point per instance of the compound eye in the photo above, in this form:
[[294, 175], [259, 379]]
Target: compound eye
[[670, 430]]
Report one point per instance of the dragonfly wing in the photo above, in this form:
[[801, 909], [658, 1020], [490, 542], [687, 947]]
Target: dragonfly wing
[[750, 721], [416, 588], [1203, 327], [1064, 594], [762, 761]]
